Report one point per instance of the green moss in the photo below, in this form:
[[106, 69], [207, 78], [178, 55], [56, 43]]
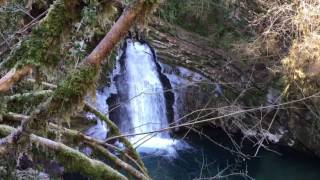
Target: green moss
[[40, 47], [66, 99], [5, 130], [73, 89], [74, 161], [89, 14], [10, 18], [26, 102], [52, 135], [3, 107]]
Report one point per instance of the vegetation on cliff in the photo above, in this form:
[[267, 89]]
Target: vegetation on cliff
[[264, 55]]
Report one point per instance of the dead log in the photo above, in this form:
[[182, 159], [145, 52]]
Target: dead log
[[92, 142], [114, 130], [71, 159]]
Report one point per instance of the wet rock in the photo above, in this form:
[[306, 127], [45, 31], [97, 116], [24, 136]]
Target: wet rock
[[191, 90]]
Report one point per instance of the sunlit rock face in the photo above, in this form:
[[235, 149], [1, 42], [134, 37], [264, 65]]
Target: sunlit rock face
[[191, 92]]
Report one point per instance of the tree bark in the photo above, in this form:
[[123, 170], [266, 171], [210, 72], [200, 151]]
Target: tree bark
[[118, 31], [13, 76]]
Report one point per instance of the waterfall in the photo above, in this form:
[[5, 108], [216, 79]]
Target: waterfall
[[143, 104], [146, 106], [137, 103]]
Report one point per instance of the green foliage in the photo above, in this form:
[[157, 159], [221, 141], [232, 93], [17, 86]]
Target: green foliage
[[192, 15], [34, 49], [210, 18], [89, 14], [67, 98], [11, 16], [106, 68], [96, 19]]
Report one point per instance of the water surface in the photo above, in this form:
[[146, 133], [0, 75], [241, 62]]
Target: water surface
[[206, 160]]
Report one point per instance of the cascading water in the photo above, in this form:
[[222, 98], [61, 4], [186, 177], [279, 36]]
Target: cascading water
[[136, 102], [147, 108], [144, 100]]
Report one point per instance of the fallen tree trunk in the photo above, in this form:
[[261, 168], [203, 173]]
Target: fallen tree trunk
[[92, 142], [71, 159], [99, 146], [114, 130], [29, 95]]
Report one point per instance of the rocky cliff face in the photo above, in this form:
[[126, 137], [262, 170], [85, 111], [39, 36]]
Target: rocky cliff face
[[191, 92]]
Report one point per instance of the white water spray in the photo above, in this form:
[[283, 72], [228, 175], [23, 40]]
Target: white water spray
[[147, 105]]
